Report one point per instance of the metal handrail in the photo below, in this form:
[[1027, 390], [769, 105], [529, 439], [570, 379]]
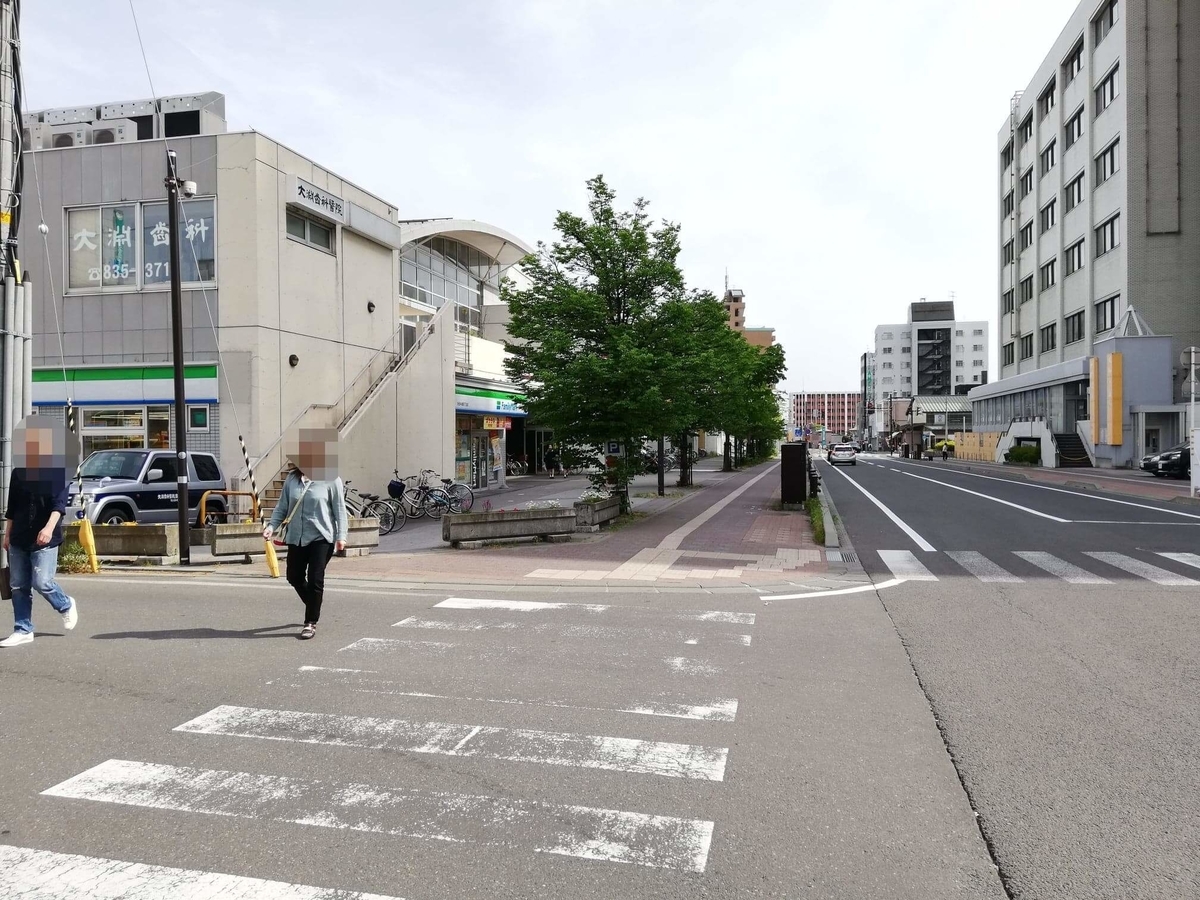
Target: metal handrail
[[253, 502]]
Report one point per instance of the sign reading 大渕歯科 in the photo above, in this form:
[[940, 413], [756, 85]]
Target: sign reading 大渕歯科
[[305, 194]]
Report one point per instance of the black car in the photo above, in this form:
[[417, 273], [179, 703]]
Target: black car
[[1174, 463]]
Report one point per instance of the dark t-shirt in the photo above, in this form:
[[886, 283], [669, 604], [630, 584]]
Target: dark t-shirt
[[32, 495]]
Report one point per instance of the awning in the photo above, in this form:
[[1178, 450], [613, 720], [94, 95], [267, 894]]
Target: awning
[[487, 401]]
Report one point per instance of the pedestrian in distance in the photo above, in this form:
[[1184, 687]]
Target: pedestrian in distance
[[553, 460], [37, 502], [311, 519], [945, 452]]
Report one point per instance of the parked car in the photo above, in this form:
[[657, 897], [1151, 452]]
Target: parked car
[[122, 486], [1174, 463], [843, 453]]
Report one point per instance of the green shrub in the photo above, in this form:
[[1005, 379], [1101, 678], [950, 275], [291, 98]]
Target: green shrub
[[73, 560], [817, 517], [1024, 453]]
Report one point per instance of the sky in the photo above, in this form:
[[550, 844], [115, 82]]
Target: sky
[[836, 157]]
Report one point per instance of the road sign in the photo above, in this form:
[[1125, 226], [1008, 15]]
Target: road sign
[[1189, 385], [1185, 358]]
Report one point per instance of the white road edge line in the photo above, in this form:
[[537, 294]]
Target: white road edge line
[[467, 603], [955, 487], [916, 538], [862, 588]]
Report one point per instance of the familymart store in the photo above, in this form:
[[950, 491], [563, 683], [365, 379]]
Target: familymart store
[[120, 407], [485, 414]]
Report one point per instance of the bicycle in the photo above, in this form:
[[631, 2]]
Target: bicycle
[[420, 499], [372, 506]]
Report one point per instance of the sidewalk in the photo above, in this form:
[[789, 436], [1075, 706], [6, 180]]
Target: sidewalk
[[1131, 482]]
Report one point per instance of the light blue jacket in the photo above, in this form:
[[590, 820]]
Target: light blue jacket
[[320, 516]]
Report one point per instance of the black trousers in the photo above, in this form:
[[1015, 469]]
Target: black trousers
[[306, 573]]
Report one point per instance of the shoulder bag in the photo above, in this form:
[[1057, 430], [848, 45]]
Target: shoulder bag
[[284, 524]]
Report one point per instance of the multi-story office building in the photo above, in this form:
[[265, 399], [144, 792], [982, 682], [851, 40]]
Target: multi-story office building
[[1098, 196], [932, 354], [826, 417], [866, 387]]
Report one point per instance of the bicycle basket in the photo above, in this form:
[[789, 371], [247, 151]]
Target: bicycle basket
[[396, 489]]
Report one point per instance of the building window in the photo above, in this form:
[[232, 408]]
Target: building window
[[1106, 314], [1073, 257], [906, 349], [1006, 156], [977, 348], [1048, 157], [887, 365], [887, 351], [197, 246], [1108, 235], [1046, 100], [1025, 133], [888, 379], [1006, 253], [1048, 275], [1007, 301], [197, 420], [1106, 91], [1027, 236], [1027, 346], [1105, 20], [1074, 63], [310, 231], [905, 335], [977, 364], [959, 348], [1006, 206], [1047, 338], [1027, 183], [1074, 129], [958, 379], [1049, 216], [1027, 289], [1074, 192], [1008, 353], [958, 333], [906, 365], [886, 336], [1108, 162], [978, 332], [1073, 328], [958, 364], [139, 427]]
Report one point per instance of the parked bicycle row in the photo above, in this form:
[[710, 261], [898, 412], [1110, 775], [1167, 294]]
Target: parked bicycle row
[[414, 496]]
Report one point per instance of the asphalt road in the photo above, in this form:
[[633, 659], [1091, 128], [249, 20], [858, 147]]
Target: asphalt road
[[1059, 649], [182, 743]]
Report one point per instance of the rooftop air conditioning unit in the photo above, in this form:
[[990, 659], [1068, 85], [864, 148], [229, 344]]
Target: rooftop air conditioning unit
[[76, 115], [127, 110], [114, 131], [36, 137], [70, 135]]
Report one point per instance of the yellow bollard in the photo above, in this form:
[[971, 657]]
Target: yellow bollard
[[272, 559], [87, 540]]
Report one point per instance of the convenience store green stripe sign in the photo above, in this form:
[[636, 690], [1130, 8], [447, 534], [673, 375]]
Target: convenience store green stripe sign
[[125, 373], [482, 392]]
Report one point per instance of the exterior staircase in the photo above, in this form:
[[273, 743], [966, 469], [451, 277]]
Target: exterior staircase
[[1072, 454]]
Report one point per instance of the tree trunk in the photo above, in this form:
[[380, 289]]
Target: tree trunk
[[728, 466]]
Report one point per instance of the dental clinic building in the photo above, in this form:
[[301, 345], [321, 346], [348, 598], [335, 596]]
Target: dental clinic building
[[307, 300]]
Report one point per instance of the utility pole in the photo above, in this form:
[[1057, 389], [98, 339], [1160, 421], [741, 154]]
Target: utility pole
[[14, 399], [181, 458]]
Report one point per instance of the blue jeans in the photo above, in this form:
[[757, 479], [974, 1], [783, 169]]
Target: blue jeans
[[31, 570]]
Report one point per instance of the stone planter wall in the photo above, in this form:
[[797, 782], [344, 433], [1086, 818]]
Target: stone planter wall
[[593, 514], [246, 539], [153, 542], [500, 525]]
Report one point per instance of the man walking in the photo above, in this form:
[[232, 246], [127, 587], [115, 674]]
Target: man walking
[[37, 502]]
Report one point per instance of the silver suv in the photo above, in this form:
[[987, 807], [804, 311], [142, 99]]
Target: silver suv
[[140, 486]]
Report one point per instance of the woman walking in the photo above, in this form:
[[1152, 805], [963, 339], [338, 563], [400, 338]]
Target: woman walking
[[311, 518]]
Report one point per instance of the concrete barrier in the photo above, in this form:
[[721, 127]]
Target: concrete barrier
[[246, 539], [157, 544], [590, 516], [505, 525]]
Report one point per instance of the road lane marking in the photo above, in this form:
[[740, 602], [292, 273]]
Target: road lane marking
[[585, 632], [1060, 568], [1090, 496], [982, 567], [583, 832], [904, 565], [375, 644], [956, 487], [584, 751], [714, 710], [1188, 559], [903, 526], [676, 537], [860, 589], [1143, 569], [730, 618], [43, 875]]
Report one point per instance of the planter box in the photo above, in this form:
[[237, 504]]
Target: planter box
[[594, 514], [246, 539], [498, 525], [154, 542]]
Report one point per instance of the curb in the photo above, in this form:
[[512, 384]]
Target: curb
[[831, 532]]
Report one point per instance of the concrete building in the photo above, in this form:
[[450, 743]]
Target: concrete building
[[932, 354], [735, 307], [308, 301], [826, 417], [1098, 195], [866, 388]]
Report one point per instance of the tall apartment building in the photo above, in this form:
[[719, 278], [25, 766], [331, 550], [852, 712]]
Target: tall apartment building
[[932, 354], [827, 415], [1098, 195], [735, 307], [866, 387]]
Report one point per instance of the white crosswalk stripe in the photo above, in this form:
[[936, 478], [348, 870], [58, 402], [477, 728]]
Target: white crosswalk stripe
[[1143, 569], [904, 565], [590, 833], [1188, 559], [982, 567], [585, 632], [1060, 568], [729, 618], [42, 875]]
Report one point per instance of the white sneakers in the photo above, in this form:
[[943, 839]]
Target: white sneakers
[[71, 616], [17, 638]]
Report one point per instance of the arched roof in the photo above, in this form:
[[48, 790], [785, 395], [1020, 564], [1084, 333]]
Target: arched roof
[[503, 246]]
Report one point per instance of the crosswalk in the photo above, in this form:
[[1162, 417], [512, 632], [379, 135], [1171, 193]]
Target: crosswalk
[[1090, 567], [663, 695]]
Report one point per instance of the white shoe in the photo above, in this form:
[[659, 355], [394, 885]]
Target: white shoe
[[17, 638], [71, 616]]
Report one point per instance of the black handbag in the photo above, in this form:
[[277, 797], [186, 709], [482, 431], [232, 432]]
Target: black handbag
[[5, 583]]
